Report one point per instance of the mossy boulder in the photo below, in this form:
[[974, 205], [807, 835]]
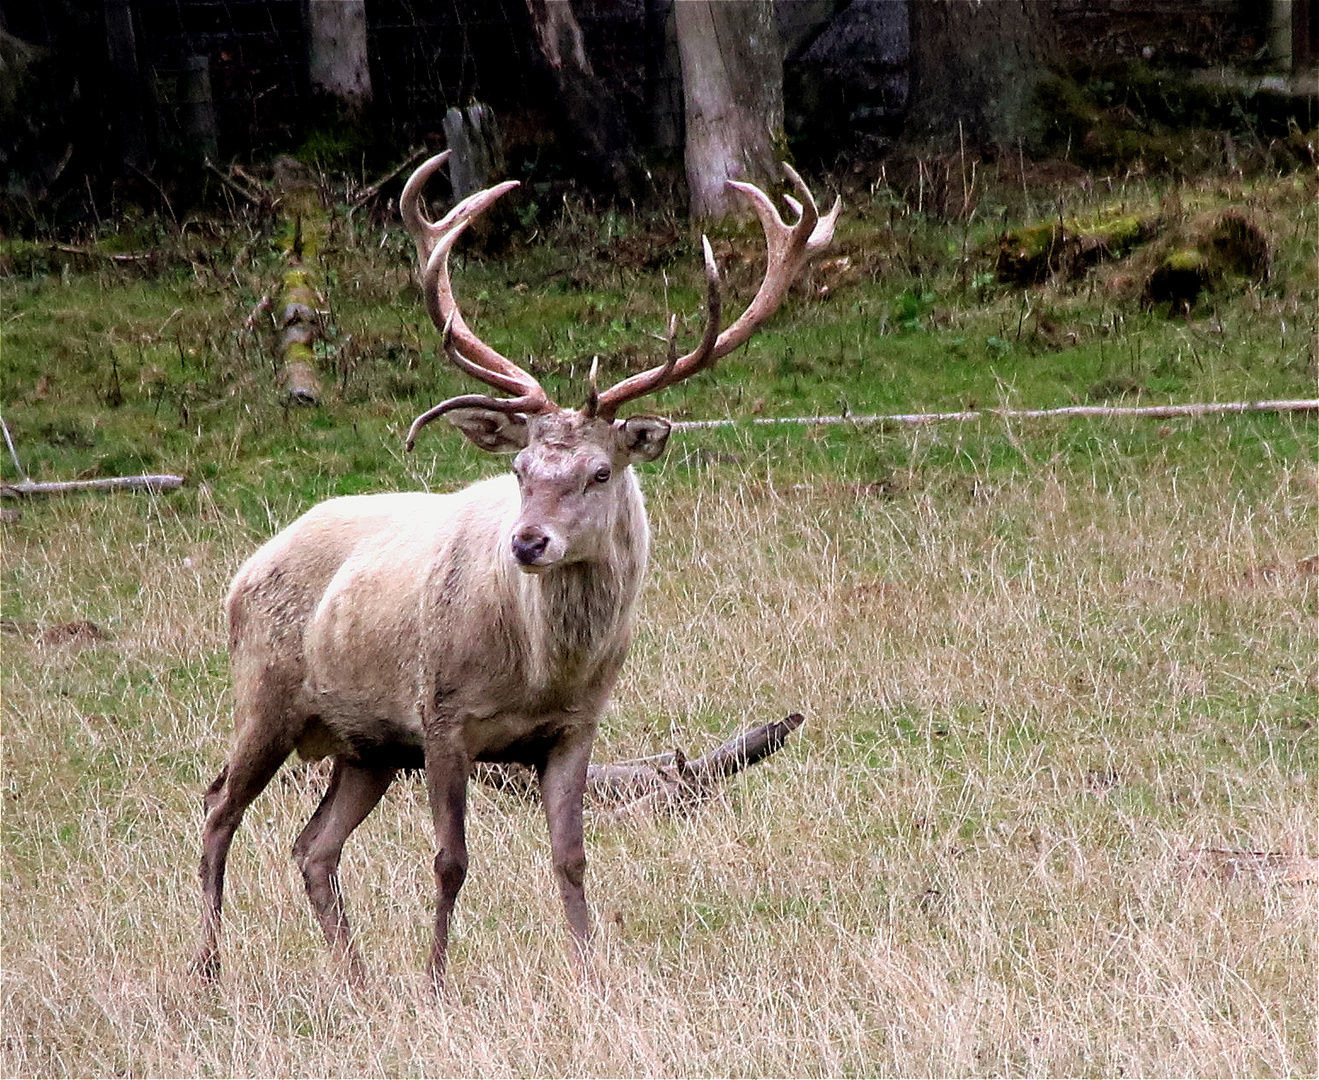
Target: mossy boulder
[[1066, 250], [1168, 257], [1213, 249]]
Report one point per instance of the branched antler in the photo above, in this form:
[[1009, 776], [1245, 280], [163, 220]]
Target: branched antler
[[435, 240], [788, 249]]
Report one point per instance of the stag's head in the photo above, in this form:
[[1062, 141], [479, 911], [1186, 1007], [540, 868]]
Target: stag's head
[[572, 463]]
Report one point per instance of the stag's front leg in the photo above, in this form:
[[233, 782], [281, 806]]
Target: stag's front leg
[[446, 785], [562, 786]]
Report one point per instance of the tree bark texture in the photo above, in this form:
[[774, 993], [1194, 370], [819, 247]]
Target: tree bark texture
[[975, 67], [590, 117], [732, 82], [126, 90], [337, 56], [477, 157], [663, 76], [299, 319], [199, 124]]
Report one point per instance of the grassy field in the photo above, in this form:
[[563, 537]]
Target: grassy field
[[1053, 809]]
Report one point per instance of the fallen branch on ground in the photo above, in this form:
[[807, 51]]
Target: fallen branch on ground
[[111, 256], [665, 782], [154, 482], [251, 191], [1152, 412], [27, 486], [372, 190]]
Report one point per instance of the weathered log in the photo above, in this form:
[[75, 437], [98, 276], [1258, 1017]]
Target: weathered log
[[668, 781], [154, 482], [299, 319], [1149, 412]]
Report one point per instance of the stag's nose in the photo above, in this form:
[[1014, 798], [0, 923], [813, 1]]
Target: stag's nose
[[529, 545]]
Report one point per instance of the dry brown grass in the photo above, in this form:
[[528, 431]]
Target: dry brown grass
[[1031, 697]]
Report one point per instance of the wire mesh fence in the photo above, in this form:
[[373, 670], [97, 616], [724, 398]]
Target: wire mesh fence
[[228, 79], [426, 56]]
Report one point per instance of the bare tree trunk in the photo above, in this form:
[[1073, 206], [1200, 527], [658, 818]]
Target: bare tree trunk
[[975, 68], [663, 76], [199, 125], [337, 58], [126, 92], [732, 81], [591, 117]]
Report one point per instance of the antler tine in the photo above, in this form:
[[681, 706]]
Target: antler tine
[[675, 368], [788, 249], [531, 401], [437, 287], [435, 240], [426, 233], [521, 383]]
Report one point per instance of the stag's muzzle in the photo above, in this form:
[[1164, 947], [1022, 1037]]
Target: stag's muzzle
[[534, 549]]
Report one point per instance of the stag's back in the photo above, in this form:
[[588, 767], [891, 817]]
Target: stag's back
[[276, 591]]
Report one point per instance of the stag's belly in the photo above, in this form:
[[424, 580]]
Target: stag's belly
[[360, 732], [377, 659]]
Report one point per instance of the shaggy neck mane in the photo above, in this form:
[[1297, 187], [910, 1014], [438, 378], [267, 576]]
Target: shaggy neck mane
[[585, 608]]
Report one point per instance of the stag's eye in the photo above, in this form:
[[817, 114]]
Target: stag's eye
[[602, 475]]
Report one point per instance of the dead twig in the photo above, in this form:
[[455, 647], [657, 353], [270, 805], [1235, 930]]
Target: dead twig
[[9, 442], [262, 308], [254, 195], [371, 191]]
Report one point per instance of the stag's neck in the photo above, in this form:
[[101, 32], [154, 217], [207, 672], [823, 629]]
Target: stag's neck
[[582, 612]]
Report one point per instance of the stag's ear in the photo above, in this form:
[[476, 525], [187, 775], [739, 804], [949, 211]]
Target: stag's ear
[[641, 438], [498, 432]]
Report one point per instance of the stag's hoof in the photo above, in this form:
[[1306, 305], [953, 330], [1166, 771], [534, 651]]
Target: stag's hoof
[[206, 966]]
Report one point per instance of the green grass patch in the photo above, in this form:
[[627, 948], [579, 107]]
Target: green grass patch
[[1043, 664]]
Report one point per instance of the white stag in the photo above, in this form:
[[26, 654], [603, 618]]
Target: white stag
[[413, 630]]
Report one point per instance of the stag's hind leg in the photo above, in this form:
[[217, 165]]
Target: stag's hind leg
[[256, 757], [353, 793]]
